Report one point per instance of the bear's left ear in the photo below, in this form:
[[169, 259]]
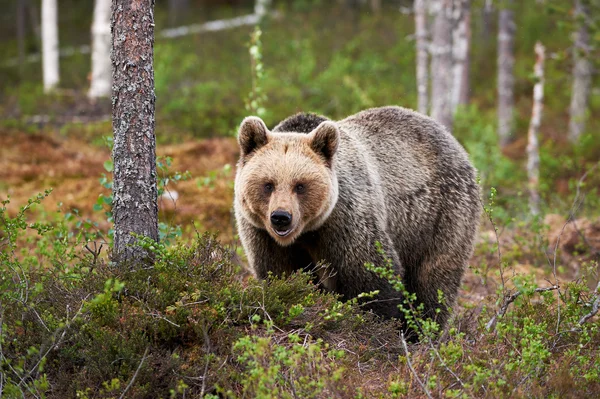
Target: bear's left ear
[[324, 140], [252, 135]]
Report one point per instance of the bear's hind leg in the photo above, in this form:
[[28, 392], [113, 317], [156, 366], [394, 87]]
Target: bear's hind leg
[[436, 283]]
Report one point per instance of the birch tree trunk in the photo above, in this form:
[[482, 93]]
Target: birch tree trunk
[[50, 44], [261, 7], [441, 63], [101, 67], [582, 72], [533, 153], [135, 208], [461, 43], [506, 80], [420, 8]]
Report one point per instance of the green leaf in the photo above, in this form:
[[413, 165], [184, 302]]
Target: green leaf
[[108, 165]]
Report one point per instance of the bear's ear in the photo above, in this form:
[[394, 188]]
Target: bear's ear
[[324, 140], [252, 135]]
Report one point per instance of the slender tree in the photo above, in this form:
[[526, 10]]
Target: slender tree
[[21, 30], [420, 9], [261, 7], [50, 44], [506, 80], [533, 152], [101, 67], [441, 63], [135, 208], [582, 72], [176, 9], [376, 6], [461, 43]]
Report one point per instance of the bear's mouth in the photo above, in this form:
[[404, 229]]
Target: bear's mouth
[[282, 233]]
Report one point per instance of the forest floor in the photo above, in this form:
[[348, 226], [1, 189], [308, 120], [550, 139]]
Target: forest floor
[[33, 162]]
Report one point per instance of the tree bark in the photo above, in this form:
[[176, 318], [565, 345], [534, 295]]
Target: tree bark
[[101, 66], [441, 63], [50, 44], [420, 8], [135, 208], [461, 43], [582, 72], [506, 80], [533, 153]]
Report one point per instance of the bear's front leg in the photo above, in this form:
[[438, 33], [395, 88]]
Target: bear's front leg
[[347, 255]]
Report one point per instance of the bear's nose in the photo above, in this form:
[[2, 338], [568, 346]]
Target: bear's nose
[[281, 219]]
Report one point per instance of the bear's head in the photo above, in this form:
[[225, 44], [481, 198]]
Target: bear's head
[[286, 182]]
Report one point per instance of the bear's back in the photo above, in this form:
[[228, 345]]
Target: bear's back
[[300, 123]]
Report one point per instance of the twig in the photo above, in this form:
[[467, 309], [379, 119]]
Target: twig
[[595, 307], [437, 354], [135, 374], [413, 371], [574, 208], [492, 323]]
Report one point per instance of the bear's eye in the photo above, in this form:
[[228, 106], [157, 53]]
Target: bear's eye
[[269, 188], [300, 188]]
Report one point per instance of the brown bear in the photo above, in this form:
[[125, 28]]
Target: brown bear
[[314, 190]]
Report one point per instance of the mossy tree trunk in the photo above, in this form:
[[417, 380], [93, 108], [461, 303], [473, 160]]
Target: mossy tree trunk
[[135, 208]]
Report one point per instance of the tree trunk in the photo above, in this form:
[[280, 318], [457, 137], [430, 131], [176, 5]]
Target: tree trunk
[[582, 72], [261, 7], [461, 43], [422, 55], [135, 208], [506, 80], [21, 31], [487, 12], [176, 9], [441, 63], [50, 44], [376, 6], [34, 19], [101, 67], [533, 153]]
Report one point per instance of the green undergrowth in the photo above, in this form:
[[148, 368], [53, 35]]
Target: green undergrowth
[[195, 325]]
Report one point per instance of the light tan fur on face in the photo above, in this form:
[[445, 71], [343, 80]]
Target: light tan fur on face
[[286, 161]]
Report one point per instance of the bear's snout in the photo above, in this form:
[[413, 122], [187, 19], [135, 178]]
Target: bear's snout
[[281, 221]]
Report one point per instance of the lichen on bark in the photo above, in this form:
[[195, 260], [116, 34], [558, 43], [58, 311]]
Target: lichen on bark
[[135, 208]]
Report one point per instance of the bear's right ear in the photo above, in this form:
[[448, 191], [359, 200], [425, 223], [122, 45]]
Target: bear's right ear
[[252, 135]]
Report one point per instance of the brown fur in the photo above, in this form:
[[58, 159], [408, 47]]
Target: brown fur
[[387, 175]]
